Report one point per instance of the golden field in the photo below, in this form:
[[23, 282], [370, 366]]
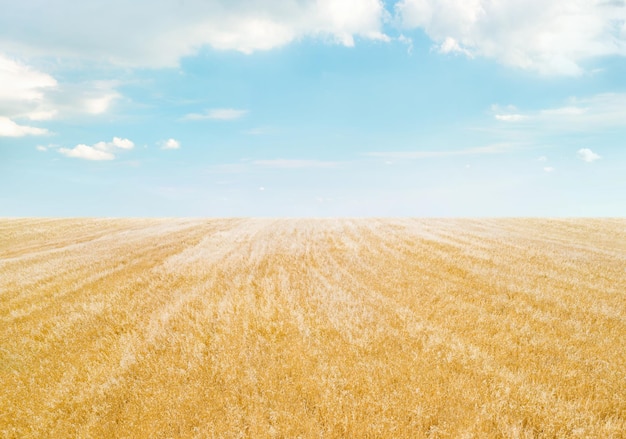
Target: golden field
[[312, 328]]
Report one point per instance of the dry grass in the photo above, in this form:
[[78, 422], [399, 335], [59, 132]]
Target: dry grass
[[312, 328]]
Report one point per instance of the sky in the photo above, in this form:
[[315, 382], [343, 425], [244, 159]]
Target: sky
[[298, 108]]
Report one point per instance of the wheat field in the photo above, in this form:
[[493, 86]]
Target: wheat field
[[312, 328]]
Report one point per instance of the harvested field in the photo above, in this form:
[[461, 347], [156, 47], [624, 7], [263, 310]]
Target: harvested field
[[312, 328]]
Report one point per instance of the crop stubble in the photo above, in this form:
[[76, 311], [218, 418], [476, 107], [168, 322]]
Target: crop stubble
[[312, 328]]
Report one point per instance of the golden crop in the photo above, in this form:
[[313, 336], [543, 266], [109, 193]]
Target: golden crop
[[260, 328]]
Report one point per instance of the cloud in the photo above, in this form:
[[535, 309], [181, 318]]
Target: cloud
[[70, 100], [177, 29], [450, 45], [294, 163], [26, 93], [217, 114], [22, 92], [170, 144], [87, 153], [548, 169], [118, 143], [587, 155], [508, 113], [98, 151], [8, 128], [408, 42], [19, 82], [545, 36], [510, 117], [98, 98], [596, 112], [496, 148]]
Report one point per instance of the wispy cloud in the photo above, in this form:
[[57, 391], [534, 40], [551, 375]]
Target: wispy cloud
[[9, 128], [576, 114], [217, 114], [97, 97], [26, 93], [406, 41], [294, 163], [98, 151], [587, 155], [497, 148]]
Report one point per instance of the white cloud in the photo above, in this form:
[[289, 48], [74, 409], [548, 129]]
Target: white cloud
[[98, 151], [294, 163], [87, 153], [99, 104], [170, 144], [19, 82], [22, 90], [543, 158], [450, 45], [548, 169], [42, 114], [587, 155], [41, 148], [26, 93], [577, 114], [177, 29], [120, 143], [546, 36], [8, 128], [217, 114], [90, 97], [508, 113]]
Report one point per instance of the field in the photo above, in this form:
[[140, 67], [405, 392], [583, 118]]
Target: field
[[312, 328]]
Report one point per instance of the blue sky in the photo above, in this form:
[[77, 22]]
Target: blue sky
[[313, 108]]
